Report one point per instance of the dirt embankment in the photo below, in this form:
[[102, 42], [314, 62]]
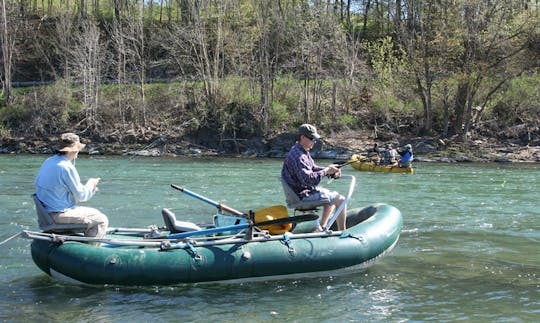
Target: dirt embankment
[[338, 146], [429, 149]]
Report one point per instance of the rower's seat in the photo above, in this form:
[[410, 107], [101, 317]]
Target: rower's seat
[[175, 226], [294, 202], [47, 224]]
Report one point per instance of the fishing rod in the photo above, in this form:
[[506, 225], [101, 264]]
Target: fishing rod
[[333, 176], [352, 161], [338, 166], [11, 238]]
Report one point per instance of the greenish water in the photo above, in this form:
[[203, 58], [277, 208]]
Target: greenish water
[[469, 251]]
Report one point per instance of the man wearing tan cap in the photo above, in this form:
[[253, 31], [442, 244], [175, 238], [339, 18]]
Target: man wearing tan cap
[[302, 176], [59, 188]]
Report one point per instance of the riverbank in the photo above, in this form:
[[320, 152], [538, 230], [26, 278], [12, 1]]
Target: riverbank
[[336, 146]]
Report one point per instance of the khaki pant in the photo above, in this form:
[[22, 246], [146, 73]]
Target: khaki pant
[[96, 222]]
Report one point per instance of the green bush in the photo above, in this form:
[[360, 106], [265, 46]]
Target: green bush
[[279, 114], [5, 133], [519, 103], [347, 121], [16, 116]]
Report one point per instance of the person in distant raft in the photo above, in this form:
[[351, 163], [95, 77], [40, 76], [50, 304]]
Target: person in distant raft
[[302, 175], [374, 154], [390, 156], [59, 188], [406, 156]]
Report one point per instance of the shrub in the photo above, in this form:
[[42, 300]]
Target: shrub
[[279, 114]]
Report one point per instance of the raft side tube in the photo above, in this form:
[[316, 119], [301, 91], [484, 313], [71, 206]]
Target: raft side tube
[[373, 231]]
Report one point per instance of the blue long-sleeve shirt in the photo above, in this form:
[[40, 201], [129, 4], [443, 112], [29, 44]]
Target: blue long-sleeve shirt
[[406, 159], [59, 186], [300, 172]]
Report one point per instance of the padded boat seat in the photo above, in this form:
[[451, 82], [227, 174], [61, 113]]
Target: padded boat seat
[[47, 224], [175, 226], [294, 202]]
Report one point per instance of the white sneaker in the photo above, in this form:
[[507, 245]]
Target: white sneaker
[[318, 229]]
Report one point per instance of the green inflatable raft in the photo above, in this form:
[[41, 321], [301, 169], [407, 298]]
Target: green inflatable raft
[[127, 258]]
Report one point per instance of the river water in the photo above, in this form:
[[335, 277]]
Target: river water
[[469, 250]]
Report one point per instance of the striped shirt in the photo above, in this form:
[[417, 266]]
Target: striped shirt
[[300, 172]]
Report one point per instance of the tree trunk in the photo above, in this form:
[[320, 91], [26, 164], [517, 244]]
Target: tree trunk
[[365, 20], [446, 109], [460, 105], [425, 96], [265, 75], [334, 99], [7, 46], [306, 99]]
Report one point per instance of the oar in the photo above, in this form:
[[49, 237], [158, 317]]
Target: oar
[[298, 218], [221, 207], [276, 211]]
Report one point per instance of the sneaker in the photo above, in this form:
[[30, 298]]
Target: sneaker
[[318, 229]]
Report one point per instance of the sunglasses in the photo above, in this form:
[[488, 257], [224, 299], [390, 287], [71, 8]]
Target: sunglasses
[[312, 138]]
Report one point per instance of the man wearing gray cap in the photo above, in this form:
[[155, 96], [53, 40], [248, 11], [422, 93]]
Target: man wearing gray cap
[[302, 175], [59, 188]]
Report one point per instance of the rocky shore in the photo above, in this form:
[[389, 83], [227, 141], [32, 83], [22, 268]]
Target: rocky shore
[[336, 146]]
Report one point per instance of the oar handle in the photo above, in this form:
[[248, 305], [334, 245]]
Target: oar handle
[[229, 209]]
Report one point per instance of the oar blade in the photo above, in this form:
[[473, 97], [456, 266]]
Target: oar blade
[[271, 214], [292, 219], [276, 211]]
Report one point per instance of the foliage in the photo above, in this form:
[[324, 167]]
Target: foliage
[[254, 68], [279, 115], [348, 121], [15, 117], [519, 103], [5, 132]]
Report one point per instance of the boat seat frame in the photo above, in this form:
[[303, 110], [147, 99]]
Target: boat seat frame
[[294, 202], [47, 224]]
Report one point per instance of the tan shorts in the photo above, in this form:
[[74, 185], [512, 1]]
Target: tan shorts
[[95, 221], [323, 194]]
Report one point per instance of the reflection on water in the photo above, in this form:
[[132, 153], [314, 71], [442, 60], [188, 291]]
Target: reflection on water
[[468, 251]]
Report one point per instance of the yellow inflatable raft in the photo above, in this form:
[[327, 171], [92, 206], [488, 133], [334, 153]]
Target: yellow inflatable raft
[[365, 165]]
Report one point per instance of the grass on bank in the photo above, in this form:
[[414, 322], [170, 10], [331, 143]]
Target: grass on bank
[[235, 107]]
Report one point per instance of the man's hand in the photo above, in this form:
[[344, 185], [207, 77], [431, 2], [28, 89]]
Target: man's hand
[[333, 171], [93, 182]]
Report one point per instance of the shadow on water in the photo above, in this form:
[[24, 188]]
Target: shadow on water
[[363, 296]]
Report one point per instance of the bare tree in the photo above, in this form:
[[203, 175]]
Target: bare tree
[[8, 42], [493, 34], [264, 61], [418, 36], [316, 43], [195, 49], [120, 61], [137, 48], [85, 58]]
